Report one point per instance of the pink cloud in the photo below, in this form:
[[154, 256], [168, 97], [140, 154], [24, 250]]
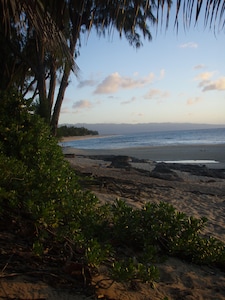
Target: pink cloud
[[155, 93], [115, 82]]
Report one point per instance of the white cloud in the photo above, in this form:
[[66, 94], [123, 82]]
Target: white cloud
[[207, 84], [205, 76], [109, 85], [82, 104], [195, 100], [155, 93], [218, 85], [115, 82], [189, 45]]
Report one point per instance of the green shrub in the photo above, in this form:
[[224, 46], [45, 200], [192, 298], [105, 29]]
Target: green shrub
[[12, 181], [35, 177], [129, 269], [158, 230], [29, 150], [126, 224], [36, 181]]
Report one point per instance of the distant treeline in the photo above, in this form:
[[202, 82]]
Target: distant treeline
[[74, 131]]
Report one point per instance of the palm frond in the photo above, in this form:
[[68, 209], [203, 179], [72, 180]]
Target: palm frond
[[213, 12], [42, 22]]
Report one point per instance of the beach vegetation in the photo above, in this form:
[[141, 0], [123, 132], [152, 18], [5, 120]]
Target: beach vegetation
[[129, 269], [40, 192]]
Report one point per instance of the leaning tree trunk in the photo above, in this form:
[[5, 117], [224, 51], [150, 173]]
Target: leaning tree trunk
[[62, 89], [59, 100]]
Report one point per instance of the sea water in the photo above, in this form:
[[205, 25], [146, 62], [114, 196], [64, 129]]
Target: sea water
[[148, 139]]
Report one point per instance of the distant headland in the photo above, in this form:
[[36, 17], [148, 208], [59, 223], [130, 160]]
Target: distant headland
[[124, 128]]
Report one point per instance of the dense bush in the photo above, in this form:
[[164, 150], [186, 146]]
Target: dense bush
[[38, 186], [28, 147], [35, 178]]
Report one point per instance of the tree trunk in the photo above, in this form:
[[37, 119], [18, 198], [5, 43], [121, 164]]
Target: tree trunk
[[44, 110], [59, 100], [62, 89], [52, 84]]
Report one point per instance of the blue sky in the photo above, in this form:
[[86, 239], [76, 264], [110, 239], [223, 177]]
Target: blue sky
[[173, 78]]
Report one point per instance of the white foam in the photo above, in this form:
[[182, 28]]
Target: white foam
[[189, 161]]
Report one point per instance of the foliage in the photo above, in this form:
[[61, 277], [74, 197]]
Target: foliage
[[35, 162], [39, 190], [158, 229], [129, 269], [74, 131]]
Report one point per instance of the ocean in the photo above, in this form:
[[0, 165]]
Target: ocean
[[146, 139]]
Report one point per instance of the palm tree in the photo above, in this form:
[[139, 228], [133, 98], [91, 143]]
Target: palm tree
[[69, 17], [132, 18], [129, 18], [50, 32]]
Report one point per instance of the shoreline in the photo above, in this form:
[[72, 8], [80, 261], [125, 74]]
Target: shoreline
[[83, 137], [164, 153]]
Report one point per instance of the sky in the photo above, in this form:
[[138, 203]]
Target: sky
[[176, 77]]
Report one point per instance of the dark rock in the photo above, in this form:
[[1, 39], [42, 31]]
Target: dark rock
[[162, 168], [163, 171], [105, 157], [199, 170], [121, 161], [69, 155]]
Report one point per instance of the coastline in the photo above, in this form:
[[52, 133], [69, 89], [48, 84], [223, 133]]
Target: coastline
[[83, 137]]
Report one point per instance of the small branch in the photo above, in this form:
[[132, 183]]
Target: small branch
[[6, 265]]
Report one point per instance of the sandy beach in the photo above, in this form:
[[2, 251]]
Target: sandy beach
[[164, 153], [196, 194], [82, 137]]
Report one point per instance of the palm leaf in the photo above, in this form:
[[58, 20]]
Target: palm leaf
[[213, 11], [41, 21]]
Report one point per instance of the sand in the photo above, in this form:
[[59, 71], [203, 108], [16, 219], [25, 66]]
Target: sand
[[164, 153], [83, 137]]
